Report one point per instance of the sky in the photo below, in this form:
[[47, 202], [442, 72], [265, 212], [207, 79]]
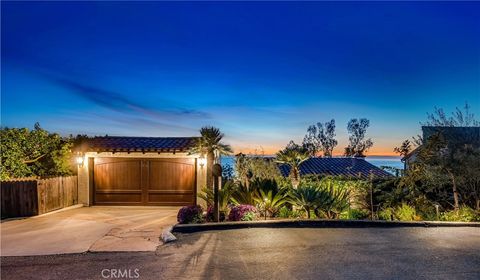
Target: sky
[[260, 71]]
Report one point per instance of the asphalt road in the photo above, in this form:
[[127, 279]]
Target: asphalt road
[[362, 253]]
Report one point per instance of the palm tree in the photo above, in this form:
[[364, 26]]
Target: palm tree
[[293, 155], [210, 144]]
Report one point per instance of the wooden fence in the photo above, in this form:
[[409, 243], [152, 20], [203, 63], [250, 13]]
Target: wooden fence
[[30, 197]]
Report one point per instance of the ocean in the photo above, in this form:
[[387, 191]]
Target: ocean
[[391, 161]]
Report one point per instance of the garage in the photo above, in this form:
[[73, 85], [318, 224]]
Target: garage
[[140, 171], [125, 181]]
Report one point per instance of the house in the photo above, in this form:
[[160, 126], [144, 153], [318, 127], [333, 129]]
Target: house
[[341, 166], [454, 136], [154, 171]]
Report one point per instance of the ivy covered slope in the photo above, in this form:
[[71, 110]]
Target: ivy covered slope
[[37, 152]]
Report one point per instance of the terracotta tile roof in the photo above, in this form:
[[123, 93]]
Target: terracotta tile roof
[[349, 167], [139, 144]]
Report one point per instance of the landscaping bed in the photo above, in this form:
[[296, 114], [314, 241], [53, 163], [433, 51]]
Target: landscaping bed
[[315, 202]]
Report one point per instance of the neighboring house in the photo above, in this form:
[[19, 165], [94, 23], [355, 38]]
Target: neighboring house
[[452, 135], [348, 167], [139, 171]]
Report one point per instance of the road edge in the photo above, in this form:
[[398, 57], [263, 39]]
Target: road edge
[[189, 228]]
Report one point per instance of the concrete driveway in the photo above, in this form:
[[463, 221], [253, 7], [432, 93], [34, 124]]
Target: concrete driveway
[[95, 229]]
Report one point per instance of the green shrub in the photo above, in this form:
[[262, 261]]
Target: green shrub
[[386, 214], [405, 212], [464, 214], [249, 216], [354, 214], [427, 215], [288, 213]]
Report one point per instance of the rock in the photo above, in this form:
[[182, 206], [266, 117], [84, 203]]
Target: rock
[[167, 235]]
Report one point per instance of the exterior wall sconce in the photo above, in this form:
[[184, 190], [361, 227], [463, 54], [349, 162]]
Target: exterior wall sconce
[[202, 161], [80, 159]]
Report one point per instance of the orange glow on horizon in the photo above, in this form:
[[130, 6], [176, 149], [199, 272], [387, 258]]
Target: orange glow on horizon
[[375, 151]]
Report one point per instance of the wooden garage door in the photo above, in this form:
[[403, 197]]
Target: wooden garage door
[[132, 181]]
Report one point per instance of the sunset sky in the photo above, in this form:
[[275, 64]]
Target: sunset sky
[[262, 72]]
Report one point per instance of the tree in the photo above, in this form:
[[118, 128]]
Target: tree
[[458, 118], [34, 152], [255, 166], [326, 135], [321, 138], [293, 155], [404, 149], [210, 144], [357, 128], [446, 166], [437, 161], [469, 174], [311, 142]]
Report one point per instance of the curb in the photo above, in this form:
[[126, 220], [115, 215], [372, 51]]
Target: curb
[[189, 228]]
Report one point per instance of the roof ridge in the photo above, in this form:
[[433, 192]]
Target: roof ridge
[[149, 137]]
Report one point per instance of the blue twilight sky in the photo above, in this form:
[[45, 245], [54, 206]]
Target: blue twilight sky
[[262, 72]]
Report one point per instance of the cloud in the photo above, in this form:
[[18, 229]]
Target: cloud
[[119, 124], [121, 103]]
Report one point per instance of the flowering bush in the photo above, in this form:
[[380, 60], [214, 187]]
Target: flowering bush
[[242, 212], [190, 215], [210, 217]]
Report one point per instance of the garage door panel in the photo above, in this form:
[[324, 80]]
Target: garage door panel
[[166, 175], [143, 181], [118, 175], [171, 198], [119, 198]]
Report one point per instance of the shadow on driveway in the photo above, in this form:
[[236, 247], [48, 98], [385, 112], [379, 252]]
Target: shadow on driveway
[[87, 229]]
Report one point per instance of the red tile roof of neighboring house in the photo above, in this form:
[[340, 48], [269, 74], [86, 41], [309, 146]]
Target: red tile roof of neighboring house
[[139, 144]]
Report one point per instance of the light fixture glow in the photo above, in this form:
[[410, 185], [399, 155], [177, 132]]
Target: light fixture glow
[[202, 161], [80, 160]]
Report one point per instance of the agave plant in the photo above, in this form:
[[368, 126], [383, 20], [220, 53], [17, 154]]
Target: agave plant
[[306, 197], [270, 203], [265, 185], [242, 194], [336, 201], [245, 194]]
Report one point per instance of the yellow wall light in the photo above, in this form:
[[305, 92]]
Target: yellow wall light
[[80, 159], [202, 161]]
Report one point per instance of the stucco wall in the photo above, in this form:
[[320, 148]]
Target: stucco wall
[[83, 175]]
